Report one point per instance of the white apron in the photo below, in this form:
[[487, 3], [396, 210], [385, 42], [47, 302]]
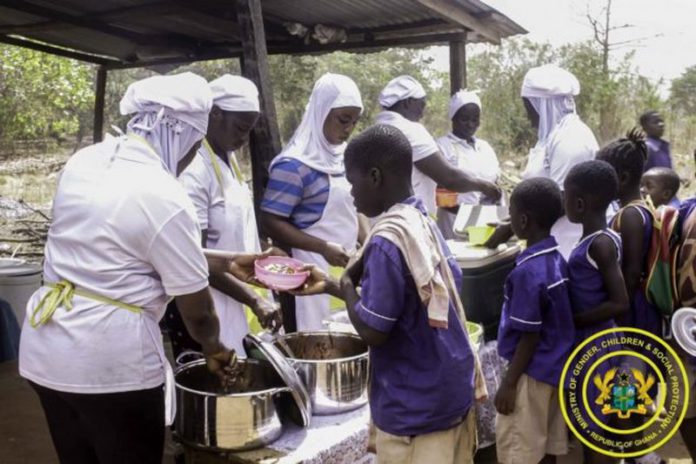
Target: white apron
[[338, 224], [237, 232], [565, 232]]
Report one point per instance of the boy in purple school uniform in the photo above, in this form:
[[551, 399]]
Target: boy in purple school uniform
[[422, 370], [659, 153], [536, 332]]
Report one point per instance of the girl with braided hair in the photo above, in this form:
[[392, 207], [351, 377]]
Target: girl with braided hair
[[634, 222]]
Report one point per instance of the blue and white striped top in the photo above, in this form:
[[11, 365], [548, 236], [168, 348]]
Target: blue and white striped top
[[297, 192]]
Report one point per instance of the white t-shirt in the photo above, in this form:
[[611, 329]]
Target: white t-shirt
[[123, 228], [571, 142], [207, 196], [423, 145], [478, 160]]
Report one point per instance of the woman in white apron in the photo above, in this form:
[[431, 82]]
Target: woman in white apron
[[225, 211], [466, 152], [124, 239], [307, 205], [563, 140]]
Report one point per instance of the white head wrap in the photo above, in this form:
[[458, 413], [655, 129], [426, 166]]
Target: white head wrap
[[235, 93], [172, 113], [550, 90], [400, 88], [308, 144], [461, 98]]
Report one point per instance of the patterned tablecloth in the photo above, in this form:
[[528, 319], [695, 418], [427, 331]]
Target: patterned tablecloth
[[336, 439], [493, 367]]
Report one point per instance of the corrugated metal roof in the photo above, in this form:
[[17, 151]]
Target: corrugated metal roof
[[137, 30]]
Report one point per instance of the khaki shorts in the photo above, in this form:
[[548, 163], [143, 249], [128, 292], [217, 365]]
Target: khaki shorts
[[452, 446], [535, 428]]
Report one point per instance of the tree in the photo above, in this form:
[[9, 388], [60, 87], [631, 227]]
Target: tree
[[42, 95], [683, 92]]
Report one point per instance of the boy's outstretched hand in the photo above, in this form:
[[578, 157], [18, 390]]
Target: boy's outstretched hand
[[318, 282], [505, 399]]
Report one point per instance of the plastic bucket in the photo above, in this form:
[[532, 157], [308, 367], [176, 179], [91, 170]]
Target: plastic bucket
[[17, 289]]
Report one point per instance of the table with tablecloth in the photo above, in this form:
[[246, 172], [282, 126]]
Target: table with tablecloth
[[334, 439]]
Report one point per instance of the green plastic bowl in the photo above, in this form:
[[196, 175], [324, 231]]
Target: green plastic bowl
[[478, 235], [475, 332]]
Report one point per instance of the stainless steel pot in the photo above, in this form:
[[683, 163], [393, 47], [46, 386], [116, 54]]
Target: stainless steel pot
[[333, 367], [240, 417]]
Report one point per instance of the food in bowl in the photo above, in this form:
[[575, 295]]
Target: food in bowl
[[278, 268], [280, 272]]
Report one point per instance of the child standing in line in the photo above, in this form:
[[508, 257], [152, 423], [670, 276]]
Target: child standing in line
[[424, 372], [634, 223], [597, 289], [536, 332], [662, 185]]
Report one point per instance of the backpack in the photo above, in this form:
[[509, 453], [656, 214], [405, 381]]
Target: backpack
[[660, 272], [686, 261]]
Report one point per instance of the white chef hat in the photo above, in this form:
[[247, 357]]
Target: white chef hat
[[548, 81], [400, 88], [461, 98], [235, 93], [185, 97]]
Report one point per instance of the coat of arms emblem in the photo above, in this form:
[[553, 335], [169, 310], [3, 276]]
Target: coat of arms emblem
[[624, 394]]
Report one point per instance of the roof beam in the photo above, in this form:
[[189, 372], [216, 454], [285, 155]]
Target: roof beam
[[86, 22], [133, 12], [360, 45], [232, 52], [54, 50], [450, 10]]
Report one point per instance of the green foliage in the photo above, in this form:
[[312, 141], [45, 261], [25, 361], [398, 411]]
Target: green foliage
[[45, 95], [42, 95], [683, 92], [497, 72]]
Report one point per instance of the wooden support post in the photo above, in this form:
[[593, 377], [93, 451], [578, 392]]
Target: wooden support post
[[457, 64], [99, 96], [265, 138]]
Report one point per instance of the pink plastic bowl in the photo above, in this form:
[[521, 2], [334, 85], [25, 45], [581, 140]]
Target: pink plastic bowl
[[277, 281]]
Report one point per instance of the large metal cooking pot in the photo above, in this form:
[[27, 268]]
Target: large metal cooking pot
[[333, 367], [239, 417]]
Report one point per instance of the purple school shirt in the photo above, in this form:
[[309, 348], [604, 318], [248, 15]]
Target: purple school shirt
[[422, 378], [642, 314], [587, 288], [536, 300], [658, 154]]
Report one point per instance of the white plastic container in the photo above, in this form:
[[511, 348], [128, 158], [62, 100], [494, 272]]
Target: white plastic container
[[18, 281]]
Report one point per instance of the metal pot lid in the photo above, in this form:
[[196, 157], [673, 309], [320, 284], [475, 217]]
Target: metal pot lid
[[684, 329], [301, 406]]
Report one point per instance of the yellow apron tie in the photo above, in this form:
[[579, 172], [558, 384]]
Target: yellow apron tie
[[61, 294], [216, 166]]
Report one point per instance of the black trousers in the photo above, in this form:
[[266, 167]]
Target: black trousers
[[109, 428]]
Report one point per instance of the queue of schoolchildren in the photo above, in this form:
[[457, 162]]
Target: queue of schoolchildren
[[368, 205]]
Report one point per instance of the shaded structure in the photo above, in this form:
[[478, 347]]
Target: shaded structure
[[118, 34]]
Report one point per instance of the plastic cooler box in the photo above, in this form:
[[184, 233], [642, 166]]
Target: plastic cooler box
[[484, 273]]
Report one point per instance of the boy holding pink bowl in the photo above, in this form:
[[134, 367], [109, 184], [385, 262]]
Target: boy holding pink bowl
[[425, 374]]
